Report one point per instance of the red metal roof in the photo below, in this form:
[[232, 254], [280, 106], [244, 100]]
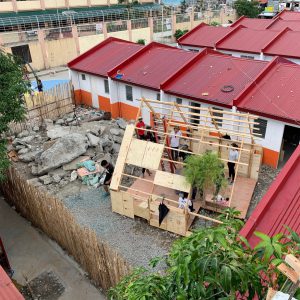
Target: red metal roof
[[280, 206], [252, 23], [205, 76], [289, 15], [279, 24], [275, 94], [152, 65], [7, 289], [104, 56], [246, 40], [204, 35]]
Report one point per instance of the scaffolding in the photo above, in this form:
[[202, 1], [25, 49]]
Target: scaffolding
[[202, 131]]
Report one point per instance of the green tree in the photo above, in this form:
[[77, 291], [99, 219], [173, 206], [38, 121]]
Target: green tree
[[179, 33], [12, 107], [247, 8], [141, 41]]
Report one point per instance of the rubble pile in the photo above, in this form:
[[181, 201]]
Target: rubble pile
[[68, 150]]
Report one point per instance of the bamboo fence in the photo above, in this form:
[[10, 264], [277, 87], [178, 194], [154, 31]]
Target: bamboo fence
[[103, 264]]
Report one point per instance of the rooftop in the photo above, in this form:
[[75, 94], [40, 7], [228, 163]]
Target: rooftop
[[289, 15], [205, 77], [152, 65], [279, 24], [112, 49], [280, 206], [252, 23]]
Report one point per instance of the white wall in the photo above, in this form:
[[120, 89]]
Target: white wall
[[84, 84], [97, 89], [75, 79]]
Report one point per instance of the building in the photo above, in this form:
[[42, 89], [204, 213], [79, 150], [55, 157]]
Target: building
[[279, 207], [268, 89]]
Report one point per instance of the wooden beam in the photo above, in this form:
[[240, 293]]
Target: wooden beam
[[294, 263]]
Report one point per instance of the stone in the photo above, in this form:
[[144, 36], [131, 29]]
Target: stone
[[18, 141], [117, 139], [46, 179], [35, 128], [10, 147], [57, 131], [33, 181], [48, 144], [104, 142], [121, 123], [69, 120], [65, 150], [20, 147], [60, 122], [73, 164], [30, 156], [56, 178], [116, 148], [23, 151], [114, 131], [94, 140], [90, 152], [28, 139], [106, 115], [63, 183], [34, 170], [23, 134], [47, 123], [60, 172]]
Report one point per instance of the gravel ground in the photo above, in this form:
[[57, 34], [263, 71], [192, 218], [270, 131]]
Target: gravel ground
[[134, 239]]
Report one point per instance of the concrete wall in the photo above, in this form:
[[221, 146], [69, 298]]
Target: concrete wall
[[50, 4], [6, 7], [89, 41]]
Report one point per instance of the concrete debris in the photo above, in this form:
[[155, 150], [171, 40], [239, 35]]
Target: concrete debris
[[23, 151], [56, 178], [57, 131], [73, 164], [46, 179], [74, 176], [94, 140], [117, 139], [60, 122], [36, 128], [114, 131], [30, 156], [121, 123]]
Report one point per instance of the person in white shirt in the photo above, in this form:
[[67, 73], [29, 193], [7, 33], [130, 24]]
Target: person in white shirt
[[233, 157], [183, 201], [175, 141]]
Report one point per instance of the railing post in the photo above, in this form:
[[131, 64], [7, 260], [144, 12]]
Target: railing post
[[104, 30], [14, 5], [150, 24], [129, 29]]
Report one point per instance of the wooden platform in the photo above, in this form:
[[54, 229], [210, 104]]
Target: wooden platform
[[243, 191]]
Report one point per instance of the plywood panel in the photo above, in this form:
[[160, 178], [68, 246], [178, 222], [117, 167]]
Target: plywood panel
[[116, 202], [136, 152], [172, 181], [152, 156], [255, 166], [114, 185], [128, 205]]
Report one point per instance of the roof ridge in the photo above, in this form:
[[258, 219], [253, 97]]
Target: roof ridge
[[275, 38], [202, 24], [235, 29]]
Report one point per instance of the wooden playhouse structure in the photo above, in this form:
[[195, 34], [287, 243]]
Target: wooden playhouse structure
[[203, 130]]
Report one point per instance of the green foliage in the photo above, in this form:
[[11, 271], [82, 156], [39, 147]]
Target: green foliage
[[204, 171], [141, 41], [215, 23], [12, 108], [247, 8], [179, 33]]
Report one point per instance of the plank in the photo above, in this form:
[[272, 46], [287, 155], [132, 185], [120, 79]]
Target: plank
[[152, 156], [288, 272], [128, 209], [293, 262], [136, 152], [117, 202], [120, 164]]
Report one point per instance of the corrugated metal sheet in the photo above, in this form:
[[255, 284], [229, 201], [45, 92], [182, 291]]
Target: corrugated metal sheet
[[210, 73], [204, 36], [252, 23], [247, 40], [280, 206], [153, 66], [276, 95], [104, 57], [289, 15], [7, 289], [280, 24]]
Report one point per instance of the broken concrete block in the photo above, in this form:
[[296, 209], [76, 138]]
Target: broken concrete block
[[46, 179], [23, 134], [48, 144], [73, 164], [57, 131], [23, 151], [121, 123], [114, 131], [94, 140], [56, 178], [117, 139], [30, 156], [60, 172], [60, 122]]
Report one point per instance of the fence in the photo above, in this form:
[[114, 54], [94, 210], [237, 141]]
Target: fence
[[103, 264]]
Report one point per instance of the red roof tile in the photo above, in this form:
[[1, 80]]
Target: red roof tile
[[252, 23], [275, 94], [208, 73], [289, 15], [280, 206], [7, 289], [246, 40], [105, 56], [204, 35], [152, 65], [279, 24]]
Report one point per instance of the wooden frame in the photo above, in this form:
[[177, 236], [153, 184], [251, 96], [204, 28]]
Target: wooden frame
[[143, 197]]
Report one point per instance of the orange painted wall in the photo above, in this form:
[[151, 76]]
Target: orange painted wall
[[270, 157], [77, 95], [123, 110], [104, 103], [83, 97]]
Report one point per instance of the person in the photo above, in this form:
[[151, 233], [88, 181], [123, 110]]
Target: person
[[109, 169], [183, 201], [150, 137], [175, 141], [141, 129], [233, 157], [39, 85], [184, 155]]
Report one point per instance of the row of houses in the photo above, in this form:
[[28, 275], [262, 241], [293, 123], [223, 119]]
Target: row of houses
[[114, 75]]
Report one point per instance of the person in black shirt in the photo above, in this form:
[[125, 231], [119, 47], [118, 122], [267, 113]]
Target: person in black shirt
[[109, 168]]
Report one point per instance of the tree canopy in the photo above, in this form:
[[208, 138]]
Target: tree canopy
[[12, 108], [247, 8]]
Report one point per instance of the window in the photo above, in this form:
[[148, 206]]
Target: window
[[217, 114], [247, 56], [83, 76], [260, 128], [23, 52], [129, 96], [195, 119], [106, 86], [178, 100], [158, 96]]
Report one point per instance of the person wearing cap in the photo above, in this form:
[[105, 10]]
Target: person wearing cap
[[141, 129], [232, 157], [175, 141]]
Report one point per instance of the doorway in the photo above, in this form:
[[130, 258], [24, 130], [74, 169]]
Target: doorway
[[290, 141]]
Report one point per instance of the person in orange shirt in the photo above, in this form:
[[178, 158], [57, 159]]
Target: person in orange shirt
[[141, 129]]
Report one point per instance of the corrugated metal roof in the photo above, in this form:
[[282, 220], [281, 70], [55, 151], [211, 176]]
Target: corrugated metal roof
[[280, 206], [7, 289], [104, 57], [247, 40], [276, 94], [289, 15], [152, 65], [252, 23], [209, 73], [280, 24], [204, 35]]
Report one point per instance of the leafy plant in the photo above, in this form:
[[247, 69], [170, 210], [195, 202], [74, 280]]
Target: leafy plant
[[179, 33], [215, 23], [12, 107], [247, 8], [141, 41]]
